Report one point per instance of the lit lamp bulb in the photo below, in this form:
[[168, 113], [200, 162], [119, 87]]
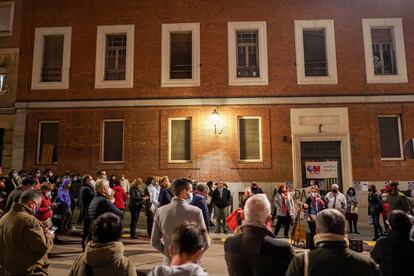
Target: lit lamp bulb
[[3, 79], [214, 117]]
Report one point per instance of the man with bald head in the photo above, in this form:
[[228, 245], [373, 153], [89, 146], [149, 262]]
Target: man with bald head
[[256, 251], [336, 199]]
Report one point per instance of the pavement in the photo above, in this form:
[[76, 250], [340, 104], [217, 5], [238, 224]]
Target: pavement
[[146, 257]]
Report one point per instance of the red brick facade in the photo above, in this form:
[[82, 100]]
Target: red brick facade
[[214, 156]]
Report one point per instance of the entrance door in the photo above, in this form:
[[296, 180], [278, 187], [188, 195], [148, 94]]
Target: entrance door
[[321, 152]]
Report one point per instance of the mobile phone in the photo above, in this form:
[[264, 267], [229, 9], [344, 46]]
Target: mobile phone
[[53, 230]]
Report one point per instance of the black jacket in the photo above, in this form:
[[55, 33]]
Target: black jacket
[[101, 205], [135, 197], [395, 255], [333, 259], [165, 196], [223, 201], [256, 252], [86, 195], [200, 201]]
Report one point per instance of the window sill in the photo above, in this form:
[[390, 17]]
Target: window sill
[[387, 79], [248, 81], [50, 86], [114, 84], [317, 80], [181, 83]]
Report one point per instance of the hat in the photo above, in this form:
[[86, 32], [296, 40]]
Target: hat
[[67, 181], [388, 188]]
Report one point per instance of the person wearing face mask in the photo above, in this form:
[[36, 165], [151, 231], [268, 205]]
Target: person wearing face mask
[[26, 253], [352, 210], [65, 202], [312, 206], [45, 212], [168, 217], [11, 182], [165, 195], [335, 199], [27, 184], [101, 174], [86, 195], [47, 176]]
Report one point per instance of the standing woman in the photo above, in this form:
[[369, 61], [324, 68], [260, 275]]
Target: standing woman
[[165, 195], [284, 209], [313, 205], [136, 198], [120, 195], [45, 211], [374, 209], [352, 210]]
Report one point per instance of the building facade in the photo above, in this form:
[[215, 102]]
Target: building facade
[[266, 90]]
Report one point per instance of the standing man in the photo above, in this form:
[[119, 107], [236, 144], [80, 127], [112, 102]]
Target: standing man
[[101, 174], [168, 217], [125, 185], [86, 195], [24, 242], [397, 200], [200, 201], [336, 199], [27, 184], [255, 188], [221, 199]]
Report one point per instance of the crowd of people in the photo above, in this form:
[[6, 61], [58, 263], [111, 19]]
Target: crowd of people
[[36, 208]]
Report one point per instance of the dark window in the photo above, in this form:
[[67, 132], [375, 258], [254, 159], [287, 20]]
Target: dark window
[[249, 131], [115, 58], [180, 143], [389, 132], [52, 58], [383, 52], [314, 47], [5, 18], [113, 150], [48, 143], [247, 54], [181, 55]]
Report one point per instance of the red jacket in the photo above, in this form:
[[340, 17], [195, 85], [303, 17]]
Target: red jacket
[[44, 211], [120, 197]]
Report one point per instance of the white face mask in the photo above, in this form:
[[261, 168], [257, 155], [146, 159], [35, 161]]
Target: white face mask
[[48, 194], [104, 177], [314, 194], [38, 175], [50, 174], [92, 182], [190, 197]]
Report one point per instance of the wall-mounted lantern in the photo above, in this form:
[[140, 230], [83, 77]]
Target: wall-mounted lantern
[[3, 79], [215, 119]]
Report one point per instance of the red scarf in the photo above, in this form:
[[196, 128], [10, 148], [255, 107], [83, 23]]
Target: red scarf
[[285, 210]]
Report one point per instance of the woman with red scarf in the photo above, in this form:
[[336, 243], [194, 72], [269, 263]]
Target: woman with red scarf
[[284, 210], [45, 211]]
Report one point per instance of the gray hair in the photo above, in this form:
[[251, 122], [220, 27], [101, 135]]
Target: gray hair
[[257, 209], [203, 188], [330, 221], [29, 195], [100, 184]]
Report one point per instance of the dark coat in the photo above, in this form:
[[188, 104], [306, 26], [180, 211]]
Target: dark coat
[[395, 255], [100, 205], [223, 201], [165, 196], [200, 201], [85, 198], [13, 197], [256, 252], [135, 197], [333, 259], [374, 204]]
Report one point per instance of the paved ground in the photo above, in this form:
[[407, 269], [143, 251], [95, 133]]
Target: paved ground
[[63, 255]]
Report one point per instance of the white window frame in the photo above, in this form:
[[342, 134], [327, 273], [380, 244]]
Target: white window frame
[[102, 31], [398, 39], [39, 134], [260, 139], [232, 28], [169, 139], [165, 54], [103, 141], [399, 133], [37, 83], [330, 48], [10, 31]]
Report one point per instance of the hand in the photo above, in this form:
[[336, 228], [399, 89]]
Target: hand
[[50, 235]]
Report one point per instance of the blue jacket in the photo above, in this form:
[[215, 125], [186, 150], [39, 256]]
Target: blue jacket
[[100, 205], [64, 197], [200, 201], [165, 196]]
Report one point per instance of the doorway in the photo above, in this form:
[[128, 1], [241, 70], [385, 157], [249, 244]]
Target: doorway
[[321, 151]]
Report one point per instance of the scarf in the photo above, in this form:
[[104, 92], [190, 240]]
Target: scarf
[[329, 237], [285, 209]]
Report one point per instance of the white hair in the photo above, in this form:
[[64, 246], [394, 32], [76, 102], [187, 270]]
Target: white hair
[[257, 209], [100, 184]]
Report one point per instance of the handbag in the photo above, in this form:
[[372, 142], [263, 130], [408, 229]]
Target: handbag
[[235, 219], [354, 209]]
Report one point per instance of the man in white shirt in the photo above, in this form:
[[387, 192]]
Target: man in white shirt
[[336, 199]]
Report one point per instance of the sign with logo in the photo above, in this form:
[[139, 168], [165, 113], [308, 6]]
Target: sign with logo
[[328, 169]]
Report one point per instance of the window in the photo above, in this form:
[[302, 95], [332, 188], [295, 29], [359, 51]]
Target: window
[[48, 142], [113, 141], [51, 58], [6, 18], [384, 51], [179, 132], [390, 137], [247, 53], [180, 61], [250, 139], [114, 56], [315, 52]]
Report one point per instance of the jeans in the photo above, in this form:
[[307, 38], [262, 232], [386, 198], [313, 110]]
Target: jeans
[[221, 218], [377, 225], [311, 234], [150, 221], [285, 220], [135, 209]]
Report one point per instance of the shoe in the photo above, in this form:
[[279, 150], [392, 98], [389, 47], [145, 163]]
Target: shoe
[[356, 232], [350, 232], [134, 237], [286, 237]]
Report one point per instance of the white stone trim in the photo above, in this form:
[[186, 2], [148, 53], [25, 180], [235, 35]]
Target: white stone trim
[[260, 26], [337, 131], [260, 139], [165, 54], [328, 25], [399, 135], [37, 84], [169, 139], [396, 25], [103, 141], [102, 31], [216, 101], [8, 32]]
